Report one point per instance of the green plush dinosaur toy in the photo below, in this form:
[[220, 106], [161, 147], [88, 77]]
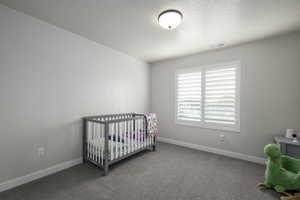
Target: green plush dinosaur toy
[[282, 172]]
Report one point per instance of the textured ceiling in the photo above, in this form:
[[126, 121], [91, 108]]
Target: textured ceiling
[[131, 26]]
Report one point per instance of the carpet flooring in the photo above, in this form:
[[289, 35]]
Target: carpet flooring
[[170, 173]]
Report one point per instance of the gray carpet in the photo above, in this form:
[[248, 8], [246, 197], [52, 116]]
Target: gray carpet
[[171, 172]]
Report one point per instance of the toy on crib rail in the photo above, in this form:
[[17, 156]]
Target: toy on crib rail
[[152, 124]]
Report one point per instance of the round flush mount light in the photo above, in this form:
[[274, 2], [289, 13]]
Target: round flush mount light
[[170, 19]]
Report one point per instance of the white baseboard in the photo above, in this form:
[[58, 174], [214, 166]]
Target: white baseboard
[[240, 156], [59, 167], [39, 174]]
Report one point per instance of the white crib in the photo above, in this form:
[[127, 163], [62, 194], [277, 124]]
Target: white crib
[[110, 138]]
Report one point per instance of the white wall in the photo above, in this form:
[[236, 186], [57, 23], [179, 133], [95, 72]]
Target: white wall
[[270, 94], [49, 79]]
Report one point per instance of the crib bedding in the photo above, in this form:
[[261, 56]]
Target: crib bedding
[[97, 144]]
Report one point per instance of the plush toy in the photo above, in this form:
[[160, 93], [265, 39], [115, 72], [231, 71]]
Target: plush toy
[[282, 172]]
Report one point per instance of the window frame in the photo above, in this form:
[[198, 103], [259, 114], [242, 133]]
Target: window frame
[[203, 69]]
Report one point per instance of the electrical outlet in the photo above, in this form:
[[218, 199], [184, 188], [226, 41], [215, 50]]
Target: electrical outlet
[[222, 137], [41, 151]]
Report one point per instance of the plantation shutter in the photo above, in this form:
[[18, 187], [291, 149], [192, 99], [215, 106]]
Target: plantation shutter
[[209, 96], [188, 96], [221, 96]]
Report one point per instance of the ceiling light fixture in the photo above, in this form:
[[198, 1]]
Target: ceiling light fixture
[[170, 19]]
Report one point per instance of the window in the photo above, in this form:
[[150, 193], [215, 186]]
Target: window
[[209, 96]]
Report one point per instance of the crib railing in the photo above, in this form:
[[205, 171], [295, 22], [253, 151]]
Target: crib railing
[[110, 138]]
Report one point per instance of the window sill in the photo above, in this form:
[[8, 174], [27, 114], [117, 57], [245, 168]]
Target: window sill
[[210, 127]]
